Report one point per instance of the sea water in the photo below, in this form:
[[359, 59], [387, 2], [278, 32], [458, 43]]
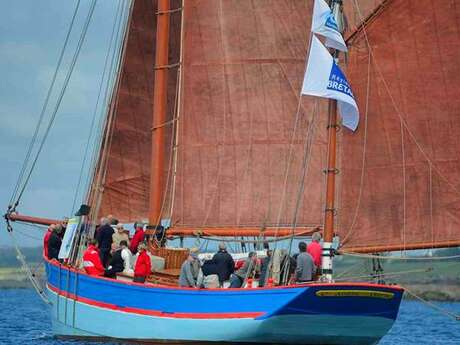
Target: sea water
[[24, 319]]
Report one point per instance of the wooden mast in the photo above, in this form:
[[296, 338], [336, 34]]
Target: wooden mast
[[328, 234], [159, 112]]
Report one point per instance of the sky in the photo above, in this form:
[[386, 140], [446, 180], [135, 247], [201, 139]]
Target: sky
[[32, 36]]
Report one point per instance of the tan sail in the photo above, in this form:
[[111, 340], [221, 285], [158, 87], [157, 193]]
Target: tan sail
[[410, 195], [242, 71]]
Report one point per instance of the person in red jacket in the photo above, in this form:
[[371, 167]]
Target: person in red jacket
[[46, 239], [143, 266], [315, 250], [91, 260], [137, 238]]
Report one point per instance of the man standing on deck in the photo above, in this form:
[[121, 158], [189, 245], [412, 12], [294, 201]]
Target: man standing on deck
[[54, 243], [305, 268], [224, 263], [137, 238], [143, 266], [315, 250], [104, 238], [46, 239]]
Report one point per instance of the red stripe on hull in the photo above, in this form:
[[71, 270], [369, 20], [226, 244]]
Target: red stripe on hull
[[155, 312]]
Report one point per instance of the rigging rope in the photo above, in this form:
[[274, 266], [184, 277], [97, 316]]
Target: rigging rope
[[60, 97], [100, 152], [90, 134], [360, 255], [45, 105], [363, 162], [432, 305], [28, 271], [399, 112]]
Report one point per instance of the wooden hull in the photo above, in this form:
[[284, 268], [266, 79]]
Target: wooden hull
[[100, 308]]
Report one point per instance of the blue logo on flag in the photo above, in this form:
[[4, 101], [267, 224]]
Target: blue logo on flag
[[331, 23], [338, 82]]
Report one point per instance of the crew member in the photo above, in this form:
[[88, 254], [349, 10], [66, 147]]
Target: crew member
[[91, 259], [237, 279], [137, 238], [143, 266], [189, 271], [104, 238], [305, 268], [54, 243], [119, 235], [224, 263], [315, 250]]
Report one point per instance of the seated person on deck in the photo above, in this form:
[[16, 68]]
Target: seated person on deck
[[120, 261]]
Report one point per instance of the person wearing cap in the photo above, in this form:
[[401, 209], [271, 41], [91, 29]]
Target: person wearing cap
[[249, 267], [224, 263], [143, 266], [190, 271], [119, 235]]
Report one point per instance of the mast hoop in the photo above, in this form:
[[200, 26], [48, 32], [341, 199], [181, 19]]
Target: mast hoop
[[334, 210], [336, 126], [174, 10], [173, 65], [331, 171], [164, 124]]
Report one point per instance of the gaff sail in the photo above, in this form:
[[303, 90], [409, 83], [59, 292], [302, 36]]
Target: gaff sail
[[242, 73]]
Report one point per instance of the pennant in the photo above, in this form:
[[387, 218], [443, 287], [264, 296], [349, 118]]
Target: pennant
[[324, 78], [324, 24]]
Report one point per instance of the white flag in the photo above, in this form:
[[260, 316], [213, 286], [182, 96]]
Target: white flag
[[324, 24], [324, 78]]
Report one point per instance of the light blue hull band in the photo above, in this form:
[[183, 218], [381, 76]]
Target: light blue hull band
[[75, 319]]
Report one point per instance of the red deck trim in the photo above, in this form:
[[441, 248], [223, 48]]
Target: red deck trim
[[166, 287], [154, 312]]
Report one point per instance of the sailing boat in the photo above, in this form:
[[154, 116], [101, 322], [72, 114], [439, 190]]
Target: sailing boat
[[226, 95]]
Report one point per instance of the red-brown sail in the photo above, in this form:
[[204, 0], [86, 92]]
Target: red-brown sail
[[242, 71], [126, 186], [411, 188]]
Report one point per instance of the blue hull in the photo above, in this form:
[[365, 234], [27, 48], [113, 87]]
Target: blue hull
[[85, 306]]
